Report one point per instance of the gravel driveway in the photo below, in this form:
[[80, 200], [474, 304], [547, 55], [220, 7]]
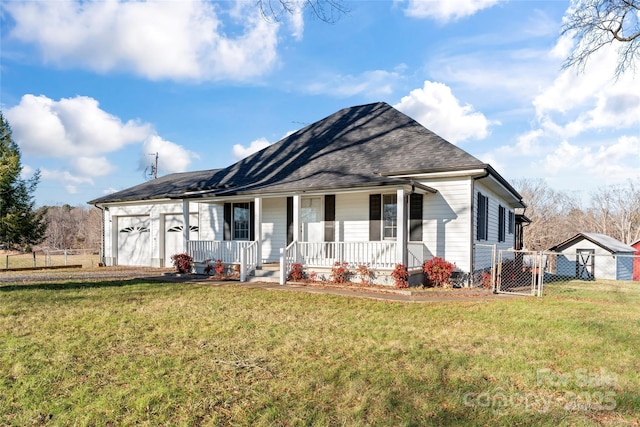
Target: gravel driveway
[[96, 273]]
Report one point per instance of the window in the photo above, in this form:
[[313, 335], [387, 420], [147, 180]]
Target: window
[[512, 221], [501, 223], [389, 216], [482, 217], [241, 218]]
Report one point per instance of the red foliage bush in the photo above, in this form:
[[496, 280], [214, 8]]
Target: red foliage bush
[[296, 273], [340, 272], [437, 272], [182, 263], [400, 276]]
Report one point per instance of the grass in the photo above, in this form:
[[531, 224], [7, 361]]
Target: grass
[[135, 352]]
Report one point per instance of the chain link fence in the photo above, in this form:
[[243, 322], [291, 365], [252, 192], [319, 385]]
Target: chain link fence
[[553, 273]]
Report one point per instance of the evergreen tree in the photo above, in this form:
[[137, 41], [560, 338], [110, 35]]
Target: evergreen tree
[[20, 224]]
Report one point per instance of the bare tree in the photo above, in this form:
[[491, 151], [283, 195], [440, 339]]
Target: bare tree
[[598, 23], [326, 10], [73, 228], [549, 211], [615, 211]]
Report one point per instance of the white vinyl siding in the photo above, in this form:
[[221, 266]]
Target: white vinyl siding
[[492, 232], [352, 217], [447, 220]]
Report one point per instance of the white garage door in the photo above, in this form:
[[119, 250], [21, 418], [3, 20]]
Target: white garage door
[[173, 243], [134, 242]]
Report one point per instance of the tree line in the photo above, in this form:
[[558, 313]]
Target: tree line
[[558, 215]]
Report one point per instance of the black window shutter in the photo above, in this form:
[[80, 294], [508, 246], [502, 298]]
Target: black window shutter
[[375, 215], [252, 221], [501, 212], [289, 220], [486, 217], [329, 218], [227, 221], [415, 217]]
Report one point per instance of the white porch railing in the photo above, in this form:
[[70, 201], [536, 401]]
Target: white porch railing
[[248, 260], [226, 251], [382, 255]]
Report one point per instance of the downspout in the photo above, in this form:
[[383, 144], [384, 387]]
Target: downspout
[[473, 217], [102, 234]]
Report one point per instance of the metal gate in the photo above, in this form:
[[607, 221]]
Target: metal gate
[[519, 272]]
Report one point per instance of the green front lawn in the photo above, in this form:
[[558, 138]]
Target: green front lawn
[[135, 352]]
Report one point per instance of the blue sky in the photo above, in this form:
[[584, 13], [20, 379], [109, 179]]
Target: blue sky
[[92, 89]]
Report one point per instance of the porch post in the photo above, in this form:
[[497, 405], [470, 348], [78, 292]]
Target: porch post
[[185, 221], [296, 224], [401, 230], [258, 229]]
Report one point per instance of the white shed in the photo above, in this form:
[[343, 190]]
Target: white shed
[[591, 256]]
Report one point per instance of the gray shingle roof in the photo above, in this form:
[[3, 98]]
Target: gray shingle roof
[[161, 188], [349, 148], [353, 147]]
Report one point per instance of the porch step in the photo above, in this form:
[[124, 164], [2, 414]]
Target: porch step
[[265, 276], [272, 266]]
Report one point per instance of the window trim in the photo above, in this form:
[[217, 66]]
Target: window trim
[[394, 226], [234, 230]]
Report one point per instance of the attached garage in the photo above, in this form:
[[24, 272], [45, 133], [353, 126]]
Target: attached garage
[[173, 236], [134, 242]]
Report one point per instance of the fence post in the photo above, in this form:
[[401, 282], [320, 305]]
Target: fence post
[[493, 270], [283, 265], [34, 259], [7, 262], [65, 257], [243, 264], [541, 275]]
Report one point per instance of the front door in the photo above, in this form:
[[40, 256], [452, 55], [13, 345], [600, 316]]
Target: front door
[[311, 219]]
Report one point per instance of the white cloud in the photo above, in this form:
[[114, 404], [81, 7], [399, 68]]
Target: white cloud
[[615, 162], [179, 40], [64, 176], [240, 151], [436, 108], [93, 166], [445, 11], [372, 83], [80, 135], [171, 157], [70, 127]]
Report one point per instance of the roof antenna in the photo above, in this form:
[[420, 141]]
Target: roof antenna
[[152, 170]]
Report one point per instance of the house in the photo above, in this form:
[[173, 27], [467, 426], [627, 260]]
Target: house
[[366, 185], [591, 256], [636, 261]]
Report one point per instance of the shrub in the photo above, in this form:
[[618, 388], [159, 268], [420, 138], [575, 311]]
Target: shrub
[[437, 272], [340, 272], [365, 274], [182, 262], [296, 273], [486, 279], [219, 268], [400, 276]]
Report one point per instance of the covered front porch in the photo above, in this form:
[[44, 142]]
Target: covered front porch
[[380, 256], [377, 228]]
